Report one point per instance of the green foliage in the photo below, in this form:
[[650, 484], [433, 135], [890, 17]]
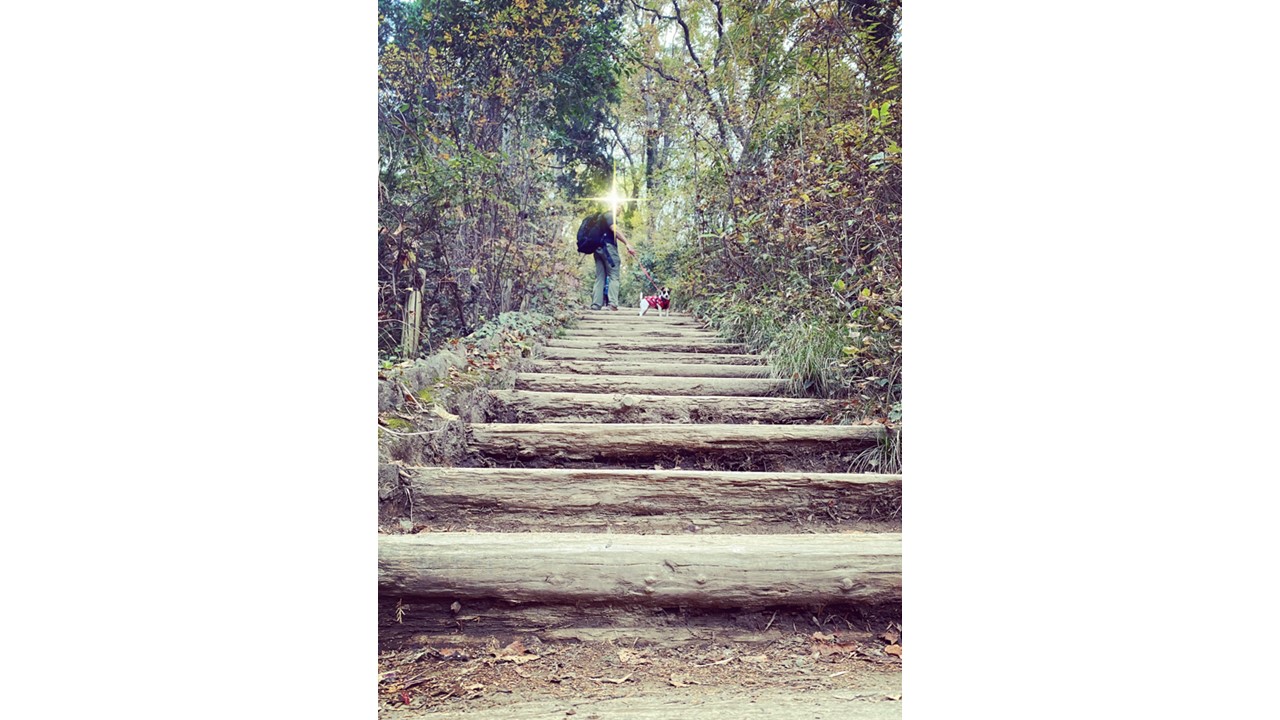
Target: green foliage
[[396, 423], [810, 354], [774, 199], [515, 324], [763, 141], [487, 109]]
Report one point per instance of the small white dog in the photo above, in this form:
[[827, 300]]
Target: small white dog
[[662, 301]]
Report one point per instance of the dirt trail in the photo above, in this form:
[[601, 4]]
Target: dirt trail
[[697, 597]]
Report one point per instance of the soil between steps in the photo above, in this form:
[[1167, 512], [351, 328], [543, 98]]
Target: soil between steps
[[783, 679]]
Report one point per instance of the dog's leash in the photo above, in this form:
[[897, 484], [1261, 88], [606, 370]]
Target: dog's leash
[[642, 267]]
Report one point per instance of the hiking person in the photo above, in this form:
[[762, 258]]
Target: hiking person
[[599, 233]]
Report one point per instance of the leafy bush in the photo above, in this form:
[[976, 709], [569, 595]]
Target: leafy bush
[[791, 241], [489, 119]]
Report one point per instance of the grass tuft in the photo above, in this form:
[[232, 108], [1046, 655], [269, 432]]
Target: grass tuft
[[808, 354]]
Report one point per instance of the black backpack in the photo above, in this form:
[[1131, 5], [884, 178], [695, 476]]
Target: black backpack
[[593, 233]]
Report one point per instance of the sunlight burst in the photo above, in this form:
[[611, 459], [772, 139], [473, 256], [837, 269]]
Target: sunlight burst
[[614, 197]]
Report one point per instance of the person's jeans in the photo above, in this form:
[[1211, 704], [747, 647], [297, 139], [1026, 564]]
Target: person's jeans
[[604, 268]]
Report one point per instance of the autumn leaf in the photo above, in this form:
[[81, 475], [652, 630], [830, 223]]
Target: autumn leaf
[[516, 653]]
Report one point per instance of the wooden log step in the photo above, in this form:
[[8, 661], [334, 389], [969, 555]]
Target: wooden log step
[[526, 406], [622, 314], [415, 622], [650, 385], [661, 345], [663, 499], [628, 332], [669, 369], [634, 317], [727, 571], [641, 324], [424, 621], [565, 353], [594, 441]]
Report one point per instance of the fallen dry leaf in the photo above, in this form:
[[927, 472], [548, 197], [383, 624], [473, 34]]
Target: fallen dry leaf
[[894, 650], [616, 681], [516, 653], [631, 657], [823, 649], [890, 637], [681, 681]]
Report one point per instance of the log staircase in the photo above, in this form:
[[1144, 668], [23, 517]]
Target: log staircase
[[646, 481]]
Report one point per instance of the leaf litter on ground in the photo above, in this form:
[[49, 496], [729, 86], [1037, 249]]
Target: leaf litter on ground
[[631, 657], [516, 653]]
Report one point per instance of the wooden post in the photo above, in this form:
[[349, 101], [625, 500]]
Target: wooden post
[[409, 331]]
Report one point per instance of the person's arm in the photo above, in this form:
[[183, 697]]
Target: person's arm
[[617, 232]]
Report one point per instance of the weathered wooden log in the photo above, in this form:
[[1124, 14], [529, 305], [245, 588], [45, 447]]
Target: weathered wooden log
[[434, 622], [661, 345], [650, 317], [739, 571], [651, 385], [667, 369], [410, 330], [576, 499], [641, 323], [629, 335], [526, 406], [593, 441], [564, 353], [628, 332]]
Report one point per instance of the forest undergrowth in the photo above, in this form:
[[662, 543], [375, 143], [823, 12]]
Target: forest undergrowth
[[753, 150]]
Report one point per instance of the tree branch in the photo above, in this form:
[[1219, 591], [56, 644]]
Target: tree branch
[[613, 125], [655, 13]]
